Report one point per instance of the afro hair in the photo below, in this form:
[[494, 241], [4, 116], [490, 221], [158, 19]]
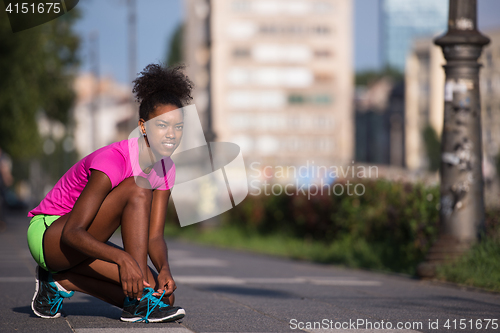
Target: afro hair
[[160, 85]]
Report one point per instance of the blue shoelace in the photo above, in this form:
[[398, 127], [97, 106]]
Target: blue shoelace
[[151, 299], [57, 301]]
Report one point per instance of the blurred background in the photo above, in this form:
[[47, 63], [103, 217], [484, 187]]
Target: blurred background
[[293, 83]]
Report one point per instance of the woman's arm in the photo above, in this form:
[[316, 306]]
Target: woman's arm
[[75, 234], [157, 247]]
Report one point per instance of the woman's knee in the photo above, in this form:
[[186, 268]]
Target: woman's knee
[[138, 191]]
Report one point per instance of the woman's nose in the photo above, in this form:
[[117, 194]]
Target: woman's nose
[[170, 133]]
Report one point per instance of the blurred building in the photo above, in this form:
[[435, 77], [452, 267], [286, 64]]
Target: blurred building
[[403, 21], [196, 53], [490, 97], [101, 114], [281, 78], [425, 81], [424, 78], [379, 123]]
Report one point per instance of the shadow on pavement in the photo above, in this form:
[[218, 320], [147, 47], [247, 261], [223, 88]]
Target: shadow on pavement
[[258, 292], [92, 307], [452, 300], [24, 309]]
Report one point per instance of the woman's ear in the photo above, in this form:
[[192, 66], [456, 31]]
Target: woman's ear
[[142, 127]]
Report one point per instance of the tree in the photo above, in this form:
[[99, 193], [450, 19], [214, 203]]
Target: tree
[[432, 147], [36, 67], [365, 78], [175, 51]]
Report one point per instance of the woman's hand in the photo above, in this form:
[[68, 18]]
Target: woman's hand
[[131, 277], [165, 283]]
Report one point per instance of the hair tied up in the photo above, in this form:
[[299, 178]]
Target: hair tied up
[[160, 85]]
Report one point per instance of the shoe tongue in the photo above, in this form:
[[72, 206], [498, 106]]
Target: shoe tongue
[[148, 292], [66, 294]]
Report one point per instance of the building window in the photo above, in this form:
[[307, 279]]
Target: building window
[[322, 30], [296, 77], [293, 143], [294, 29], [238, 76], [489, 86], [323, 7], [241, 52], [296, 99], [242, 30], [277, 53], [293, 122], [270, 99], [489, 59], [424, 88], [245, 142], [322, 122], [322, 53], [322, 99], [323, 77], [241, 5]]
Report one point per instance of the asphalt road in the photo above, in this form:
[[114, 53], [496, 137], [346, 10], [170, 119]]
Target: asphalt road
[[228, 291]]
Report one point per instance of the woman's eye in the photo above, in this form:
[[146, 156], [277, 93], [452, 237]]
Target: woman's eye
[[179, 127], [161, 125]]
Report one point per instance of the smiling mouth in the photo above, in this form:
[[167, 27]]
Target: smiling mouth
[[168, 144]]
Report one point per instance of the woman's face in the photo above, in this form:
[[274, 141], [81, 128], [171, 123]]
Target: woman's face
[[164, 129]]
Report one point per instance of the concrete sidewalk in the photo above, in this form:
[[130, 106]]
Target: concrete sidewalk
[[228, 291]]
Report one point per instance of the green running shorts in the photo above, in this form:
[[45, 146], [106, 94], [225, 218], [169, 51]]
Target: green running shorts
[[38, 225]]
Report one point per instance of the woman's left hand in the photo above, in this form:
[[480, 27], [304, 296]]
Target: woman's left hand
[[165, 283]]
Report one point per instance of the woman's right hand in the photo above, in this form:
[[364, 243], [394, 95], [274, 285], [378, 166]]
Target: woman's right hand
[[131, 277]]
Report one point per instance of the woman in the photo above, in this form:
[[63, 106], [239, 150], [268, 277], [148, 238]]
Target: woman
[[124, 184]]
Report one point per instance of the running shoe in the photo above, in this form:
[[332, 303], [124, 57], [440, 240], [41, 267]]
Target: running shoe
[[48, 299], [150, 309]]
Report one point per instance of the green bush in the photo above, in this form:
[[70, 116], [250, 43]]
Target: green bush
[[390, 227]]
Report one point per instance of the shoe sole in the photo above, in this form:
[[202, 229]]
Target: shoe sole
[[178, 315], [57, 315]]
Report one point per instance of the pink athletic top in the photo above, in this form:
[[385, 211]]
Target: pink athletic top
[[115, 161]]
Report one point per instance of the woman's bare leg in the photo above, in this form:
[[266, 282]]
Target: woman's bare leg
[[127, 205], [102, 280]]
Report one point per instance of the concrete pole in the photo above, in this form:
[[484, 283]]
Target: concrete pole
[[94, 105], [462, 199], [132, 40], [209, 133], [132, 60]]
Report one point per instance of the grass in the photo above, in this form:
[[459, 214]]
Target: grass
[[480, 267]]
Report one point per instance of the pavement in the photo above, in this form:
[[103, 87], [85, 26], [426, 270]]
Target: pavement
[[230, 291]]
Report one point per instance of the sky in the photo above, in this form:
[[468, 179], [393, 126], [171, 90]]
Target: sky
[[366, 29], [157, 20]]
